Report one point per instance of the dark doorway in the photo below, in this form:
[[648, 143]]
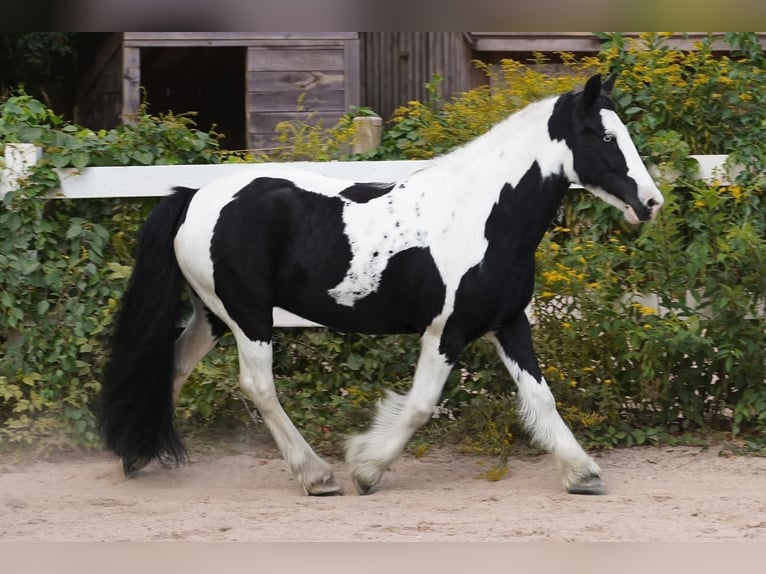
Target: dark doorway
[[209, 81]]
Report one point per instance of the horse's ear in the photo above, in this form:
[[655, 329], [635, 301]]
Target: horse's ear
[[609, 83], [591, 91]]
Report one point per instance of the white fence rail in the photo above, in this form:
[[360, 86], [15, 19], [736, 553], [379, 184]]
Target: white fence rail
[[157, 181]]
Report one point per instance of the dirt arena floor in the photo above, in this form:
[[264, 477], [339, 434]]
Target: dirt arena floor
[[247, 493]]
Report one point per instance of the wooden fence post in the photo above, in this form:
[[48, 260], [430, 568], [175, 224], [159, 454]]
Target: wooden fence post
[[19, 158], [367, 135]]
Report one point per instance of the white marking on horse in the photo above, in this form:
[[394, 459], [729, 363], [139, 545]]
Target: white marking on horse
[[648, 193]]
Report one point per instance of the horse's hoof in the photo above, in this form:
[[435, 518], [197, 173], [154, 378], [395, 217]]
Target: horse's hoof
[[327, 487], [362, 487], [591, 484], [325, 490], [131, 465]]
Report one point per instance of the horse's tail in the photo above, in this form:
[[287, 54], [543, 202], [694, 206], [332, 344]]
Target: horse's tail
[[137, 403]]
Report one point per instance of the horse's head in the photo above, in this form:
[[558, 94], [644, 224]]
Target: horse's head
[[605, 160]]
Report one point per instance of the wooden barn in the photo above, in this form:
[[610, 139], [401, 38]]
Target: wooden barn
[[243, 82], [246, 82]]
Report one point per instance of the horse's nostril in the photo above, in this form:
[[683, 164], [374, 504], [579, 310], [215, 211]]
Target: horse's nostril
[[651, 203]]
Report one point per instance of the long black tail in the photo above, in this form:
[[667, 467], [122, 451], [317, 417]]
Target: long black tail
[[136, 407]]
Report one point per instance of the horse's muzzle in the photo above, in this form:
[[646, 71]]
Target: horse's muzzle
[[647, 207]]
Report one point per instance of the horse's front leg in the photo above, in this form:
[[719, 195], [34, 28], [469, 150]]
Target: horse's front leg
[[537, 408], [398, 416]]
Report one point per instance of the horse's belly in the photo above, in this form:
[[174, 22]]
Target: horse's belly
[[406, 298], [369, 321]]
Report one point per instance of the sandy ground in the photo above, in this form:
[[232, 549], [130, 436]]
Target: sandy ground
[[248, 494]]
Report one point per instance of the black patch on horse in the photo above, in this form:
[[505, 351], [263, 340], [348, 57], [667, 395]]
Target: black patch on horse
[[410, 295], [501, 285], [364, 192], [271, 238]]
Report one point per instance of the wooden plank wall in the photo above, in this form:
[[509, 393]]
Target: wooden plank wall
[[324, 71], [131, 87], [396, 66], [99, 95]]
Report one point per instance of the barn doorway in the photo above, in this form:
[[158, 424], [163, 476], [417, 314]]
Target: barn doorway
[[207, 80]]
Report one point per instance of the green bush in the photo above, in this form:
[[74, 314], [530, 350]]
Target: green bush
[[691, 358], [64, 265]]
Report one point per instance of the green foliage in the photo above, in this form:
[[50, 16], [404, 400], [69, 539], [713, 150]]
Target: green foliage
[[691, 357], [43, 62], [309, 140], [149, 140], [711, 102], [57, 295], [64, 265], [424, 130]]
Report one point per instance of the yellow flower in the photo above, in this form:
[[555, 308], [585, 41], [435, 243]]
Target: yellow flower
[[644, 309], [555, 277]]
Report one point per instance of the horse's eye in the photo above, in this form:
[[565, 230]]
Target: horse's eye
[[608, 137]]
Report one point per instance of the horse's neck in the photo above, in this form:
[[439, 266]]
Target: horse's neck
[[480, 171], [506, 152]]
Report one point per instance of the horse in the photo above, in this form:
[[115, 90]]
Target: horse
[[446, 252]]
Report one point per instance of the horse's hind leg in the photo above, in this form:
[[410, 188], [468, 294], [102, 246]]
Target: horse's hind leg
[[257, 380], [197, 340], [537, 407], [369, 454]]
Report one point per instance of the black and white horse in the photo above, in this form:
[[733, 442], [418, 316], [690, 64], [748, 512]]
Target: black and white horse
[[446, 252]]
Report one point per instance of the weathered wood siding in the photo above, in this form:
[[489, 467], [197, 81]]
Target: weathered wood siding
[[322, 72], [396, 66], [99, 94]]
